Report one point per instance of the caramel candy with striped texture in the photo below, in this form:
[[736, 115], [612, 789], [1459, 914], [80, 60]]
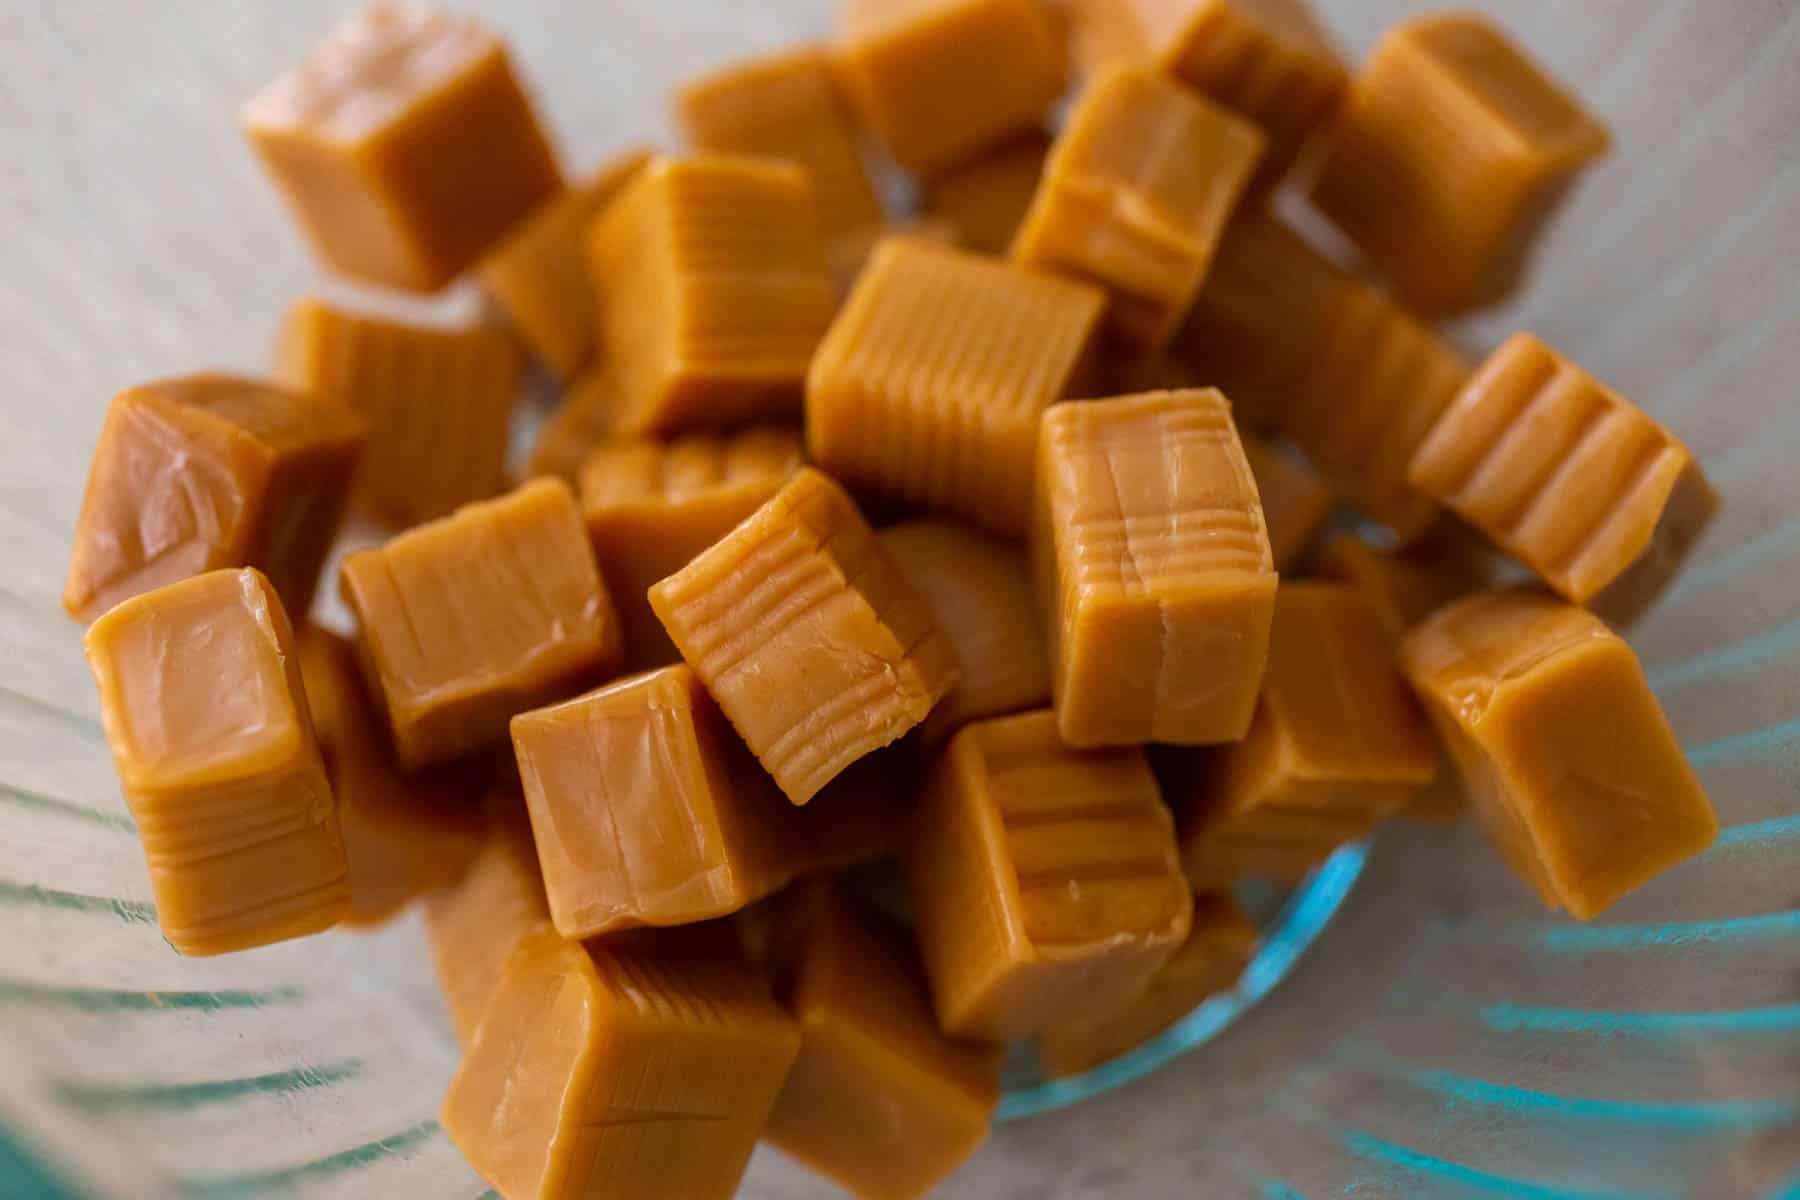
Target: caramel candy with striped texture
[[1153, 570], [1571, 763], [986, 199], [205, 712], [1295, 501]]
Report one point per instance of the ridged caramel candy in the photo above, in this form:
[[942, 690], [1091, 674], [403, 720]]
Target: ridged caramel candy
[[1044, 880], [652, 506], [1135, 194], [1453, 150], [930, 383], [404, 146], [807, 635], [878, 1099], [1153, 570], [939, 81], [713, 291], [479, 615], [1569, 477], [986, 198], [438, 400], [616, 1072], [1295, 501], [204, 710], [1571, 763], [1400, 589]]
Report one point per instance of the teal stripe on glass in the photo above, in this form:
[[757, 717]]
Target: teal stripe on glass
[[1770, 739], [1732, 659], [1518, 1018], [1763, 546], [1695, 1116], [106, 1000], [1726, 931], [134, 912], [179, 1097], [1414, 1162], [24, 1176], [1274, 1189], [26, 798], [261, 1183], [1759, 835]]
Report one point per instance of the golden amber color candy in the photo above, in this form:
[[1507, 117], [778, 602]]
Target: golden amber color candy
[[939, 81], [652, 506], [849, 253], [861, 817], [578, 424], [404, 146], [807, 635], [1453, 150], [1570, 762], [1135, 194], [1569, 477], [713, 291], [1214, 955], [619, 1071], [469, 619], [1044, 880], [1400, 589], [986, 198], [201, 699], [209, 471], [878, 1099], [437, 399], [1153, 570], [903, 400], [538, 275], [1295, 501]]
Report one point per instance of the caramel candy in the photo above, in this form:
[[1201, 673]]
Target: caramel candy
[[849, 253], [652, 506], [861, 817], [1400, 589], [713, 291], [1571, 763], [404, 146], [437, 399], [786, 105], [538, 275], [203, 706], [1295, 501], [1153, 570], [979, 592], [1135, 194], [939, 81], [1044, 880], [572, 430], [1214, 955], [878, 1099], [1569, 477], [618, 1071], [986, 199], [807, 636], [1453, 150], [479, 615], [904, 399]]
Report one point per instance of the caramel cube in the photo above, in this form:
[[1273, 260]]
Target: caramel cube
[[1153, 570], [931, 381], [807, 635], [538, 275], [878, 1099], [1570, 761], [1400, 589], [713, 291], [1210, 961], [201, 699], [652, 506], [479, 615], [1567, 476], [1044, 880], [986, 198], [939, 81], [404, 146], [437, 400], [205, 472], [1453, 150], [1135, 194], [614, 1072], [1295, 501]]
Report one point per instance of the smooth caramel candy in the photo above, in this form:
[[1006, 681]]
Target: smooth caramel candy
[[1400, 589], [1044, 880], [404, 146], [878, 1099], [618, 1071], [939, 81], [1135, 194], [1453, 150], [1153, 570], [807, 635], [931, 381], [1571, 763], [1569, 477], [470, 619], [713, 291], [204, 710], [1295, 501], [986, 198], [652, 506], [538, 275], [1210, 961], [437, 399]]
